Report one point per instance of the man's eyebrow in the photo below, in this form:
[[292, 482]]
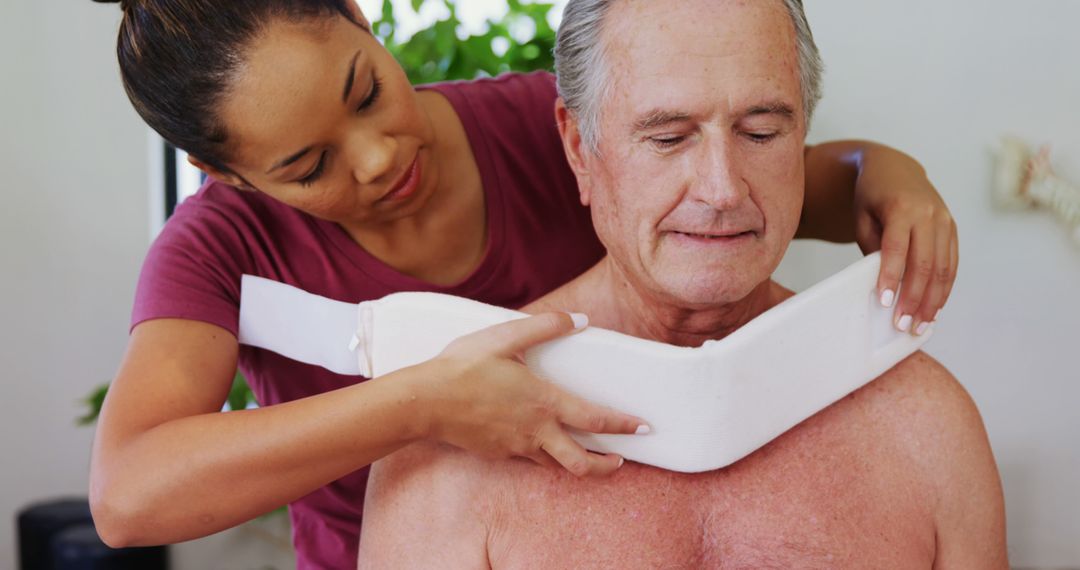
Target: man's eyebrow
[[659, 118], [774, 108], [291, 159], [350, 77]]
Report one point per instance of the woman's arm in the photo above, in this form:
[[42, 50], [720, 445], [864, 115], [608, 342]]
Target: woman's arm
[[881, 198], [168, 466]]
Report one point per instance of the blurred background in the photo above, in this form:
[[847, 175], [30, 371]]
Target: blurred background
[[84, 191]]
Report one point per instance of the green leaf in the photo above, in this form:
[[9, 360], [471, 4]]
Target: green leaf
[[437, 53], [384, 28], [240, 394], [93, 402]]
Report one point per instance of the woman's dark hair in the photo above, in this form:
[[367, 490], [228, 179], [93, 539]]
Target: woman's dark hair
[[177, 58]]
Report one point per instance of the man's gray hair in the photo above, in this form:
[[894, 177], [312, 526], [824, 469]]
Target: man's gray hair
[[583, 76]]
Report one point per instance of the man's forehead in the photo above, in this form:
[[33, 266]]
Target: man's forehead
[[649, 40], [665, 16], [699, 57]]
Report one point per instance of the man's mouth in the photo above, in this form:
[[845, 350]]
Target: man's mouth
[[716, 236]]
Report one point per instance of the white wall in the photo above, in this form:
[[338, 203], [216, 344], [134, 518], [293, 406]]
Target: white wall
[[943, 80], [939, 79], [73, 231]]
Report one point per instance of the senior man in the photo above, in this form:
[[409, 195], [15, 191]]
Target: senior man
[[684, 123]]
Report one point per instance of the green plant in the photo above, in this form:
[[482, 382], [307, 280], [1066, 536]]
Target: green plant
[[436, 53]]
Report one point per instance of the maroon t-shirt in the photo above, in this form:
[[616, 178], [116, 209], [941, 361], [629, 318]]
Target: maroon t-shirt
[[539, 238]]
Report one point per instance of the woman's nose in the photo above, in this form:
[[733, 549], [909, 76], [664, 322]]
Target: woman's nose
[[372, 157]]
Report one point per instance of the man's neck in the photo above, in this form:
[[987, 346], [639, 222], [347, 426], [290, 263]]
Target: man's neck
[[616, 303]]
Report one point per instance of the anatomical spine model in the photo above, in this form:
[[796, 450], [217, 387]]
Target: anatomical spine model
[[1023, 179]]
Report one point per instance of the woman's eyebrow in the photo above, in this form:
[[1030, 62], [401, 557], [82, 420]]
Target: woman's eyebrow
[[350, 77], [287, 161]]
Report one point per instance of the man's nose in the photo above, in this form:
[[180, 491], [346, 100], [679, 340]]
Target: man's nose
[[372, 156], [719, 183]]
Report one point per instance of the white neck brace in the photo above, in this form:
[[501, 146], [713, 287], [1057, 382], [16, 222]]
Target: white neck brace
[[708, 406]]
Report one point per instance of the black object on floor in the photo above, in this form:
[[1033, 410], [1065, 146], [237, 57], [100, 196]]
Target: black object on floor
[[40, 522], [80, 548], [60, 535]]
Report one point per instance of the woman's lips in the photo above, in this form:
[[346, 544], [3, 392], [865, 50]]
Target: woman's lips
[[406, 187]]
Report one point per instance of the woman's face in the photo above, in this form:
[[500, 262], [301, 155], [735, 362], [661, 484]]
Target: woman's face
[[321, 118]]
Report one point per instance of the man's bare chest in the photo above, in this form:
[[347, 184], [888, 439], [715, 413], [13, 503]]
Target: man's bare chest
[[814, 498]]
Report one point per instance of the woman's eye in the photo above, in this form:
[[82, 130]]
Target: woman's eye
[[376, 88], [314, 176], [667, 141]]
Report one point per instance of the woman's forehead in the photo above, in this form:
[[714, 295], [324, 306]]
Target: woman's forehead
[[290, 86]]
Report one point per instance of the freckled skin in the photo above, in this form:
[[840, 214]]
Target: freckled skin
[[852, 487]]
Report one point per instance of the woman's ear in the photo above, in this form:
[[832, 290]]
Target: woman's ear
[[227, 177], [574, 148]]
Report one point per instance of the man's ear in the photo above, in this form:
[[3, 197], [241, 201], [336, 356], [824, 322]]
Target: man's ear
[[574, 148], [226, 177]]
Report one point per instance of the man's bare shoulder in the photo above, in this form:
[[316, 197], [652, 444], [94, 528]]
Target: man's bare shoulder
[[432, 470], [919, 397], [921, 411], [426, 507], [936, 426]]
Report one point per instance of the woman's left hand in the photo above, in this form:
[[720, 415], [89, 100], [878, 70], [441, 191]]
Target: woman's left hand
[[899, 212]]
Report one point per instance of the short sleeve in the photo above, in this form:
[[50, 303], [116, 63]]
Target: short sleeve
[[193, 269]]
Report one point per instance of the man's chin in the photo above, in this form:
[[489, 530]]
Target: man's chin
[[696, 292]]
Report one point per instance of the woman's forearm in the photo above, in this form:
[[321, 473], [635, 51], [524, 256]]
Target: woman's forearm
[[832, 169], [167, 466], [198, 475]]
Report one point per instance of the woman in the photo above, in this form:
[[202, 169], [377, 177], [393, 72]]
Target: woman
[[331, 173]]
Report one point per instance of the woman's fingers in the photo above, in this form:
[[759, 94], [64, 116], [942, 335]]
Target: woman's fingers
[[917, 273], [919, 260], [954, 261], [941, 278], [514, 337], [574, 458], [894, 255], [541, 458], [585, 416], [495, 407]]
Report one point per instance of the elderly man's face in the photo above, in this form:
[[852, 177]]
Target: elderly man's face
[[697, 187]]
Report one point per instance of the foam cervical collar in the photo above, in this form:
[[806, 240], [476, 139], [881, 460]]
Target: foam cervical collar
[[708, 406]]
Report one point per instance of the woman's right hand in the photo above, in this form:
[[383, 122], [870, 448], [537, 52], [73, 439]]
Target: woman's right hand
[[489, 403]]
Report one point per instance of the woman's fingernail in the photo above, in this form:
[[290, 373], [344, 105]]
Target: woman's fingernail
[[887, 297], [921, 329], [621, 461], [581, 320], [936, 315], [904, 324], [642, 429]]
